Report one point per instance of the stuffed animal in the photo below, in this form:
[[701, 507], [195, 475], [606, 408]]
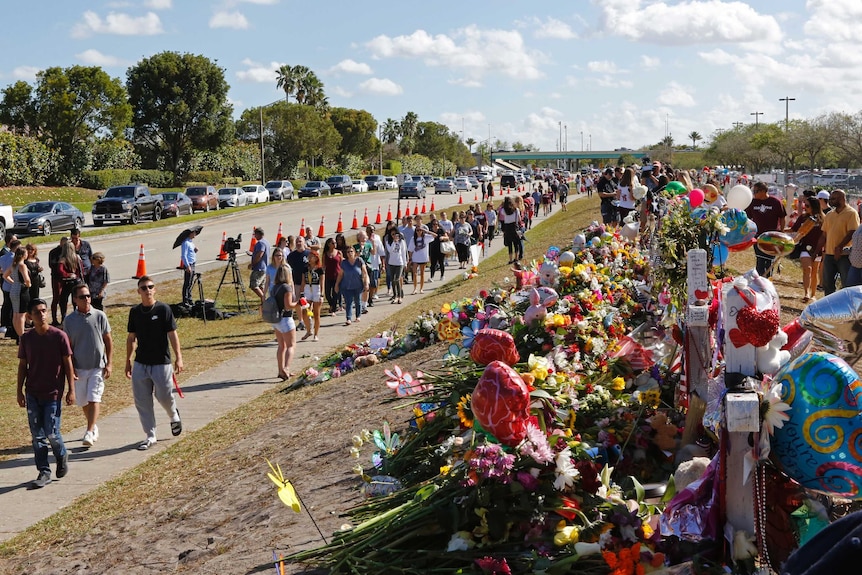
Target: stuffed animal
[[365, 360], [540, 301], [771, 357], [549, 273]]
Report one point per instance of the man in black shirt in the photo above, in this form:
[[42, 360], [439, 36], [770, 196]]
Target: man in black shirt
[[152, 326], [608, 193]]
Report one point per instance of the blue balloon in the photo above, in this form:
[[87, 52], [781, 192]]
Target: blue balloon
[[820, 446], [719, 254], [699, 213], [741, 230]]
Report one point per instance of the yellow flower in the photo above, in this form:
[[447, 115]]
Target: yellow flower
[[618, 384], [445, 469], [648, 530], [420, 417], [465, 415], [540, 373], [566, 535]]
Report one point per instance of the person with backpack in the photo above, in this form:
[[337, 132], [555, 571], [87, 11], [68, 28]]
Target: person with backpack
[[285, 328]]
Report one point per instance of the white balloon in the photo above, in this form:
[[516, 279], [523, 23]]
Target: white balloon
[[739, 197]]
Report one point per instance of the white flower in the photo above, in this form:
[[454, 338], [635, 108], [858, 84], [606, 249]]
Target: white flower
[[357, 441], [354, 452], [566, 470], [775, 415], [461, 541], [584, 549]]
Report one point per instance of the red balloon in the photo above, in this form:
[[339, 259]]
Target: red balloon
[[494, 345], [501, 403], [695, 197], [743, 246]]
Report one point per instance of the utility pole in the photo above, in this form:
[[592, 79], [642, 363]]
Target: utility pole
[[380, 139], [737, 125], [756, 118], [582, 140], [786, 100]]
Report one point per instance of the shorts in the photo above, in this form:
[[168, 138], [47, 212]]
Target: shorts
[[313, 293], [285, 325], [373, 278], [257, 279], [89, 386]]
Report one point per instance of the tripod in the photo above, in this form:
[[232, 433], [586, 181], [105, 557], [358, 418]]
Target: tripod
[[235, 281], [196, 280]]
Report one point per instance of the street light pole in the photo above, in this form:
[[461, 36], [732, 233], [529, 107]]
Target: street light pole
[[262, 170], [756, 118], [786, 100], [582, 140], [380, 140]]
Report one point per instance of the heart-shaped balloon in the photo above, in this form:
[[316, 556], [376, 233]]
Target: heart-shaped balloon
[[758, 327], [818, 445], [501, 403], [494, 345]]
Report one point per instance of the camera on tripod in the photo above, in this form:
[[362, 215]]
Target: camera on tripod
[[231, 245]]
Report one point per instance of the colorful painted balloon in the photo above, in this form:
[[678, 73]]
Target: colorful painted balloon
[[741, 231], [775, 243], [676, 187], [501, 403], [820, 446], [494, 345]]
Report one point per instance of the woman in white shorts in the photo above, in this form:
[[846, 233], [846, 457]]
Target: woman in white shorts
[[285, 330], [312, 282]]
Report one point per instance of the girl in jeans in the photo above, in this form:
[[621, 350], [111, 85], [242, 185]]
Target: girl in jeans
[[331, 263], [351, 283], [397, 259]]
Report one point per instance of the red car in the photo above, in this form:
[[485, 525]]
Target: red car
[[204, 198]]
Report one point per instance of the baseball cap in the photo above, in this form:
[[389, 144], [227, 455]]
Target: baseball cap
[[822, 195], [258, 229]]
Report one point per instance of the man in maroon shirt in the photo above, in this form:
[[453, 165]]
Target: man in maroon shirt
[[769, 215], [44, 369]]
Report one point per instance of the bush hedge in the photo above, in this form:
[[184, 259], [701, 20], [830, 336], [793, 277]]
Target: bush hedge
[[211, 177], [103, 179]]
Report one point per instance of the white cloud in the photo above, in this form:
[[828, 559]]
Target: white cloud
[[349, 66], [548, 28], [608, 81], [476, 50], [257, 72], [689, 22], [603, 66], [93, 57], [235, 20], [837, 20], [649, 61], [118, 24], [466, 82], [159, 4], [27, 73], [260, 2], [675, 94], [339, 91], [381, 86]]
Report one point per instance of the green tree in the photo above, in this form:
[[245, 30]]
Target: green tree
[[407, 129], [358, 130], [695, 137], [17, 109], [301, 82], [814, 138], [470, 143], [180, 106], [391, 131]]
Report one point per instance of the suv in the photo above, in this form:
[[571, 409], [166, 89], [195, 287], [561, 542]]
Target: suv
[[278, 189], [340, 184], [376, 182], [508, 181], [204, 198]]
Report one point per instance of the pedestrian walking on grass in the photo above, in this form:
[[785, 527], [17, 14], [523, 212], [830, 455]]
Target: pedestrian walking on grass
[[44, 373], [89, 336], [152, 334]]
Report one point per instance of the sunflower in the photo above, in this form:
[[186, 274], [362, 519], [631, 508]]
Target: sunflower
[[465, 413]]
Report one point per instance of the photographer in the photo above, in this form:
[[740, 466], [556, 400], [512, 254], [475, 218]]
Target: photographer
[[259, 259]]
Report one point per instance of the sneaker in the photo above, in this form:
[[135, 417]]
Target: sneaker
[[2, 329], [375, 296], [300, 326], [147, 443], [62, 466], [177, 426], [95, 433], [430, 280], [88, 440], [363, 311], [41, 481]]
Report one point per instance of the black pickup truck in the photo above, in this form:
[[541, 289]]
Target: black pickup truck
[[127, 204]]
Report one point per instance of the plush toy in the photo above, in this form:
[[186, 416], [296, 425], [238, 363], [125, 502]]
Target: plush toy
[[540, 300], [365, 360], [771, 357], [689, 471], [579, 242], [665, 432], [549, 273], [523, 278]]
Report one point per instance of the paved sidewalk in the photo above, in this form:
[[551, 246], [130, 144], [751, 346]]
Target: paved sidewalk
[[208, 396]]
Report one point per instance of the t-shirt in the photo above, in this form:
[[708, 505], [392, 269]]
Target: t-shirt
[[419, 247], [836, 226], [352, 278], [151, 327], [406, 233], [6, 261], [313, 276], [627, 200], [278, 293], [446, 225], [85, 252], [766, 213], [46, 378], [298, 261], [374, 262], [397, 253], [463, 233], [86, 336], [98, 277], [261, 246]]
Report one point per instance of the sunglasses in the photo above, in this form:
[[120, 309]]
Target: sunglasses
[[84, 296], [147, 287]]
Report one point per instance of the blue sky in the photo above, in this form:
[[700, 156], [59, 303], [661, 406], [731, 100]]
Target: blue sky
[[620, 72]]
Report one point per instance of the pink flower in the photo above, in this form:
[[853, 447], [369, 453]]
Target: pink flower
[[403, 383]]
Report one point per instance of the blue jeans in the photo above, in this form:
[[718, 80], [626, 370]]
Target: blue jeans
[[854, 277], [351, 302], [763, 262], [44, 419], [833, 266]]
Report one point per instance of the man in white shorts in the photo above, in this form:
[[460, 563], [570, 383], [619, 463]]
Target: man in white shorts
[[92, 356]]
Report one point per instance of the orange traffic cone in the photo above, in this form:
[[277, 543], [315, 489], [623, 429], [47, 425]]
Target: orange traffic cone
[[302, 228], [399, 214], [461, 198], [339, 228], [252, 243], [278, 235], [320, 232], [378, 220], [365, 219], [222, 255], [354, 225], [142, 265], [432, 205], [416, 208], [423, 205], [389, 213], [475, 197]]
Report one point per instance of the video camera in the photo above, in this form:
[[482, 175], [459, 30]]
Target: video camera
[[231, 245]]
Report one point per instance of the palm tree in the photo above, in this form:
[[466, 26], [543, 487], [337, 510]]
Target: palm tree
[[301, 82], [694, 137], [284, 80], [409, 124], [391, 131], [470, 142]]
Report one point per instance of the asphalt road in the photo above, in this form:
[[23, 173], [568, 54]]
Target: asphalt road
[[122, 250]]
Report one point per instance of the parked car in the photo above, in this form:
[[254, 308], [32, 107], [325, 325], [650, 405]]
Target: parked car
[[340, 184], [428, 181], [854, 183], [411, 189], [279, 189], [360, 186], [256, 194], [378, 182], [7, 218], [391, 183], [314, 189], [176, 204], [127, 204], [232, 198], [204, 198], [508, 181], [46, 217], [462, 184], [474, 182], [444, 186]]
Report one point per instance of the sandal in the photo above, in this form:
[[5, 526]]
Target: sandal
[[283, 376], [306, 336]]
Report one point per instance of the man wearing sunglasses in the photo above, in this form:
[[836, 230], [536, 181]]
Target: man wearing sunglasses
[[153, 327], [92, 354]]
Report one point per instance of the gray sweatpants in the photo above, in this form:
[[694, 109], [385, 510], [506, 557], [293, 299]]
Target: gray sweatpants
[[146, 381]]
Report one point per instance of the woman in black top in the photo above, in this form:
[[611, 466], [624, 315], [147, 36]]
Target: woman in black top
[[436, 257]]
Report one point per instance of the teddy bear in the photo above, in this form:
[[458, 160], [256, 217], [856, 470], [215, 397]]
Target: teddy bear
[[365, 360], [549, 273]]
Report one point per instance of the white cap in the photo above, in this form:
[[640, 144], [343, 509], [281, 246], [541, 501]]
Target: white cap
[[822, 195]]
